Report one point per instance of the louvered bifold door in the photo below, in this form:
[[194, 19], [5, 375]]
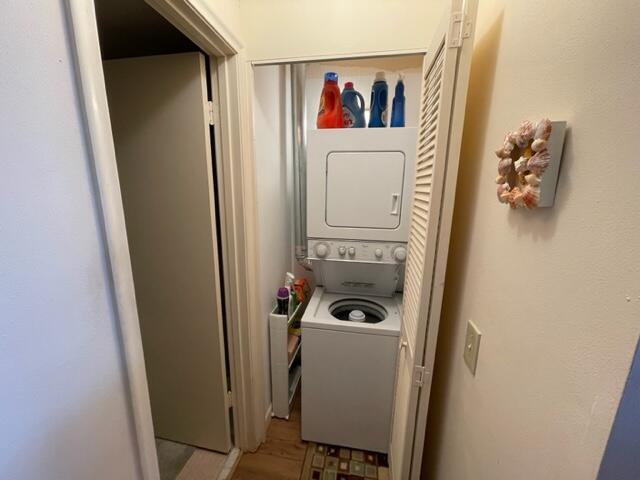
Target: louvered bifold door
[[443, 94]]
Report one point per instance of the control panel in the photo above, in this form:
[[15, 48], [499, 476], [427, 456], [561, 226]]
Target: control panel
[[357, 251]]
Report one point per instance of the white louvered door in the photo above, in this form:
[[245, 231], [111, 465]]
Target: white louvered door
[[443, 96]]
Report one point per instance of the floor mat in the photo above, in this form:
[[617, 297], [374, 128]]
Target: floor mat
[[327, 462], [172, 457]]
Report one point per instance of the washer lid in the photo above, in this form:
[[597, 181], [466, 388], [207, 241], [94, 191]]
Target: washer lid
[[331, 311]]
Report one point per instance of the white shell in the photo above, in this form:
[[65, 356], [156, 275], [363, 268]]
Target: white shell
[[503, 192], [538, 145], [507, 146], [543, 129], [532, 179], [521, 165]]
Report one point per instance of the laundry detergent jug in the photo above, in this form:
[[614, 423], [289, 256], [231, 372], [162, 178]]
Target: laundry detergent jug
[[352, 107], [379, 94], [330, 111], [397, 112]]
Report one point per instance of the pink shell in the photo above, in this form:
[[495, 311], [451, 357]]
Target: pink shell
[[504, 166], [539, 162], [515, 197], [507, 146], [503, 192], [525, 133], [530, 196], [543, 129]]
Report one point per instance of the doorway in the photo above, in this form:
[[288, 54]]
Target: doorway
[[159, 92]]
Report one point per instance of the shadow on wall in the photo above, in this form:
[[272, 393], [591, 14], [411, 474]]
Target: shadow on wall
[[481, 82]]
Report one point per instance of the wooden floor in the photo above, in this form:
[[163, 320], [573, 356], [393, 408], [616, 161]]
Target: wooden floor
[[280, 456]]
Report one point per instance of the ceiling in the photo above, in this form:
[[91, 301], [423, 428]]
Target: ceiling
[[131, 28]]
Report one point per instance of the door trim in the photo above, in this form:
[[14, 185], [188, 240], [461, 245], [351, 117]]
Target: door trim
[[211, 34]]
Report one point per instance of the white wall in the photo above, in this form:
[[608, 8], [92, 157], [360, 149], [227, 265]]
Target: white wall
[[555, 292], [303, 28], [272, 191], [362, 74], [224, 14], [64, 408]]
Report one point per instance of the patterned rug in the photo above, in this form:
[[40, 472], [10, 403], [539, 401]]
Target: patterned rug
[[326, 462]]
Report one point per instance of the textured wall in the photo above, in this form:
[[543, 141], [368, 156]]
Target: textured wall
[[555, 292], [64, 411]]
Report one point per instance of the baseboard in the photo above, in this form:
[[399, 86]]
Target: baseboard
[[230, 464], [267, 417]]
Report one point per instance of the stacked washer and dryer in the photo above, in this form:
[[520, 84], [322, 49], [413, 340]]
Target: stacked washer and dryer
[[359, 193]]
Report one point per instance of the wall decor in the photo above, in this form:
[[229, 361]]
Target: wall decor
[[529, 163]]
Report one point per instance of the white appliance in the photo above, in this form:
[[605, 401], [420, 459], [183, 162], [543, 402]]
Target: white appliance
[[360, 184], [359, 191], [348, 369]]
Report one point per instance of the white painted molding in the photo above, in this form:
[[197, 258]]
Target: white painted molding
[[84, 31], [238, 215], [201, 24], [339, 56]]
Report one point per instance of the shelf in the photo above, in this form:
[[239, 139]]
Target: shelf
[[297, 314], [294, 380], [285, 371], [296, 352]]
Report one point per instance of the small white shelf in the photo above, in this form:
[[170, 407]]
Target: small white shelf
[[285, 371], [294, 381], [295, 354]]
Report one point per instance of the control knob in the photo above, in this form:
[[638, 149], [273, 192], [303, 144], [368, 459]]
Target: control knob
[[352, 251], [378, 253], [342, 251], [400, 254], [321, 250]]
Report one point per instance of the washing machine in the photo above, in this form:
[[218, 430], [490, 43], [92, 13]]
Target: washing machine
[[359, 188], [348, 368]]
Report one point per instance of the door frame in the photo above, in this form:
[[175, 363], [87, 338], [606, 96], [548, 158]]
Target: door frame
[[237, 209]]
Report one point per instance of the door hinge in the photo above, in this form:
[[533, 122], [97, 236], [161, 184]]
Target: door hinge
[[459, 29], [212, 113], [419, 374], [229, 399]]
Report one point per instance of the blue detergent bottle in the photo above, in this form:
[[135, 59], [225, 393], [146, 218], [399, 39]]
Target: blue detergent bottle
[[397, 112], [379, 97], [352, 107]]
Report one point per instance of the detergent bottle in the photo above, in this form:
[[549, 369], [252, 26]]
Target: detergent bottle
[[397, 113], [379, 94], [352, 107], [330, 111]]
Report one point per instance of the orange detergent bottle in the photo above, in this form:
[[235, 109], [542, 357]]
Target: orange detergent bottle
[[330, 111]]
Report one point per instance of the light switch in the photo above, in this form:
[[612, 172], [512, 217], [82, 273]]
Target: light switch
[[471, 346]]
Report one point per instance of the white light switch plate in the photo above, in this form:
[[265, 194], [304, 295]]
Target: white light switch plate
[[471, 346]]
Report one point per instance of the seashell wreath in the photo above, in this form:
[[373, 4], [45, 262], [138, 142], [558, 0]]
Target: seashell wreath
[[523, 159]]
